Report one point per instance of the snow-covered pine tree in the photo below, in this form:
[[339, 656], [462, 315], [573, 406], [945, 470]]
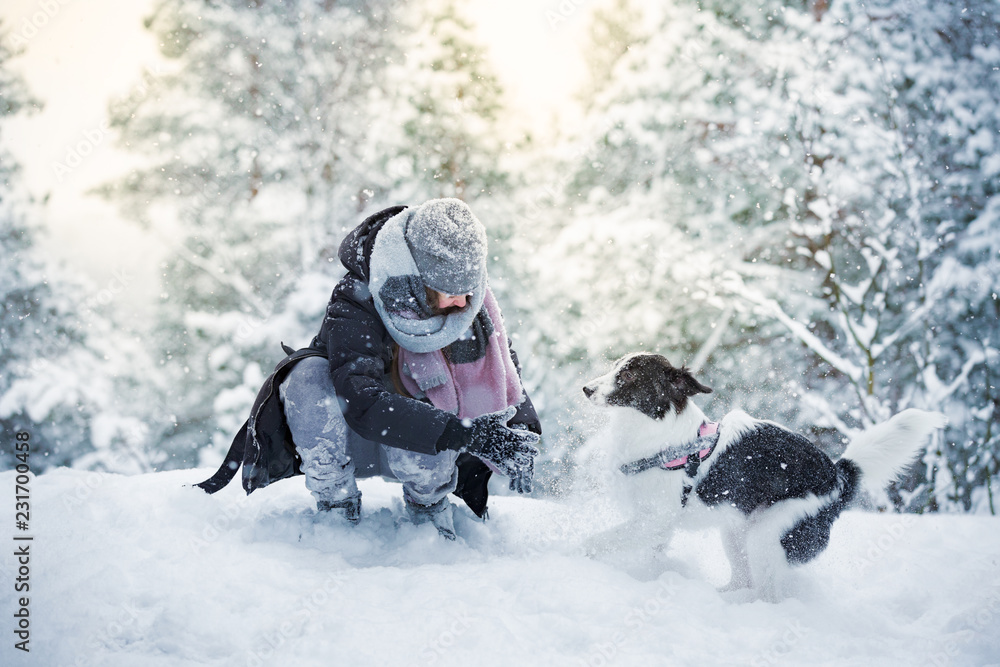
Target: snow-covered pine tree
[[615, 26], [811, 153], [449, 100], [55, 383], [264, 147], [678, 193], [940, 62], [896, 120]]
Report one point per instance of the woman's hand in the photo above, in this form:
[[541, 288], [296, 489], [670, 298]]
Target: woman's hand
[[511, 450]]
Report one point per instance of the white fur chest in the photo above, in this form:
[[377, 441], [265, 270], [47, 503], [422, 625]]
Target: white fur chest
[[630, 436]]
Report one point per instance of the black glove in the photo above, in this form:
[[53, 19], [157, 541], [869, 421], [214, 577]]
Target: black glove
[[511, 450], [522, 482]]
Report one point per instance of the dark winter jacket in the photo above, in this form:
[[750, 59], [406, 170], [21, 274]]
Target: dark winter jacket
[[359, 349]]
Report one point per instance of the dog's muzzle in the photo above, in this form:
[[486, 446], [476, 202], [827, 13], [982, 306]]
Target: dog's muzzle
[[594, 393]]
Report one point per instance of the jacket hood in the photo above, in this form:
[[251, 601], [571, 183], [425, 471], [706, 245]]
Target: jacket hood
[[356, 249]]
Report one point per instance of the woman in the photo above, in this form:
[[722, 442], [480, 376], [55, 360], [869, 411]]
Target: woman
[[411, 376]]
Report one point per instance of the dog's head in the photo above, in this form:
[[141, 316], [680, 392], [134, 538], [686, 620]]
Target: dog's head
[[647, 383]]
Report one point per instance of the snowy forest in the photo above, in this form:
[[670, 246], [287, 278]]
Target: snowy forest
[[798, 199]]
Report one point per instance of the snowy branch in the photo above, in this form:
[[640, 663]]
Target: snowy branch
[[799, 331], [218, 273], [939, 391], [705, 351]]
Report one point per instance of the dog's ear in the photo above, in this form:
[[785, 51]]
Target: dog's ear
[[686, 383]]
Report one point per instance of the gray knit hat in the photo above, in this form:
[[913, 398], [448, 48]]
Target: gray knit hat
[[448, 244]]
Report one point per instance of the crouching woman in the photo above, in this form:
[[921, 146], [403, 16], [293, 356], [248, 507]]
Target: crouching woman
[[410, 377]]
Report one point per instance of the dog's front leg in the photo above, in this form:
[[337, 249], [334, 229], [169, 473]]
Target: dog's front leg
[[734, 541]]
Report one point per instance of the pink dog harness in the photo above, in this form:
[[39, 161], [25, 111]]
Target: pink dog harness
[[686, 456], [706, 428]]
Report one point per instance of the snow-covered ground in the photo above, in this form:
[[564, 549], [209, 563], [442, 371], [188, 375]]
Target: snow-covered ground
[[145, 571]]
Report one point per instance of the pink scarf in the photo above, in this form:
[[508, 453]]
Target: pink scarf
[[467, 390]]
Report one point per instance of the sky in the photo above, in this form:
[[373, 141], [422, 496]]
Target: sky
[[80, 54], [77, 56]]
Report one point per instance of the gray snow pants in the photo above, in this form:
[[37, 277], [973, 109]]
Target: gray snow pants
[[321, 437]]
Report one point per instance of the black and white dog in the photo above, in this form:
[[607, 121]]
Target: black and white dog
[[773, 493]]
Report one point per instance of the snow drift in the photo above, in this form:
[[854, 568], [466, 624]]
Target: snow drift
[[143, 570]]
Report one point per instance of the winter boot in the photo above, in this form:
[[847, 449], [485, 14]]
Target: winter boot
[[439, 514], [351, 506]]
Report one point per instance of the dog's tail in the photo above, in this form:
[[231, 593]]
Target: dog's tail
[[881, 452]]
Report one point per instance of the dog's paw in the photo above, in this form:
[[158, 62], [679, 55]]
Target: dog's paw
[[739, 595], [734, 585]]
